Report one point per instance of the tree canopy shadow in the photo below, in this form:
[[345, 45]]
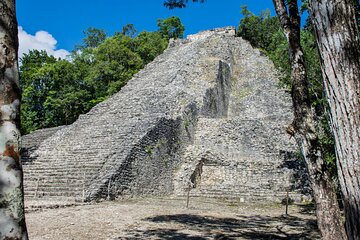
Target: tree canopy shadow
[[197, 227]]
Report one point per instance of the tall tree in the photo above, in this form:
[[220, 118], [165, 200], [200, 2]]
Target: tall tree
[[33, 89], [129, 30], [114, 65], [337, 37], [149, 45], [171, 27], [94, 37], [12, 218], [303, 126]]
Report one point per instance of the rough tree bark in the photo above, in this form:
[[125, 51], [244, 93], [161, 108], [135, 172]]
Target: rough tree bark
[[12, 219], [339, 46], [303, 127]]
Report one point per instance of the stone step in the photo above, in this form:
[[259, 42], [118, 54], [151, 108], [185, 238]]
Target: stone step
[[56, 177], [70, 184], [61, 169], [29, 184], [36, 204], [70, 156], [55, 183], [50, 189], [62, 188], [42, 193], [78, 162], [45, 174]]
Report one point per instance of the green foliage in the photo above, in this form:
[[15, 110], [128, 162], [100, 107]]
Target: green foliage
[[35, 59], [357, 11], [258, 29], [93, 37], [149, 45], [55, 92], [114, 64], [171, 4], [129, 30], [278, 52], [32, 88], [52, 93], [149, 149], [265, 33], [171, 27], [328, 143]]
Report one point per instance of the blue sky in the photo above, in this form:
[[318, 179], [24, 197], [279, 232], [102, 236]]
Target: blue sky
[[59, 24]]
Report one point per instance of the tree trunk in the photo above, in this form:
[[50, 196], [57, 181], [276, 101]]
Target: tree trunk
[[12, 219], [338, 42], [303, 128]]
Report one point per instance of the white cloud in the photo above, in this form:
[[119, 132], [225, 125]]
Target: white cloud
[[42, 40]]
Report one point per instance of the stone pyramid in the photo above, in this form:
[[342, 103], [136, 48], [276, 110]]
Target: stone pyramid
[[207, 116]]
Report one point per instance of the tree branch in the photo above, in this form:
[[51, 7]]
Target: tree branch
[[171, 4]]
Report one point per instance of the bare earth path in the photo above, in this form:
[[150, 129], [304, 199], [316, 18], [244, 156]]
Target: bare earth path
[[168, 218]]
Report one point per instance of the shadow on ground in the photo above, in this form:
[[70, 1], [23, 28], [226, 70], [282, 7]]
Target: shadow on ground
[[191, 227]]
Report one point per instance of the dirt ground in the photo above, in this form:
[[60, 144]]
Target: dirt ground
[[169, 219]]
